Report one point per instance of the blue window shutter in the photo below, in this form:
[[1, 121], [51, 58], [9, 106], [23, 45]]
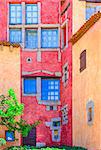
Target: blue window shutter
[[10, 136], [50, 89], [49, 38], [15, 14], [29, 86], [15, 36], [31, 39], [31, 13]]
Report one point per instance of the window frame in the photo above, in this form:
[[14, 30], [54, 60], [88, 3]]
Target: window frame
[[64, 111], [18, 29], [16, 14], [50, 90], [31, 12], [94, 6], [90, 105], [57, 36], [65, 77], [83, 60], [26, 32], [6, 136], [23, 91]]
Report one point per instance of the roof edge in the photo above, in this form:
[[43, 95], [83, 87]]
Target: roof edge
[[5, 43], [85, 27]]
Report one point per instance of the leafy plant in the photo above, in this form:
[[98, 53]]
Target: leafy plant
[[47, 148], [10, 108], [2, 141]]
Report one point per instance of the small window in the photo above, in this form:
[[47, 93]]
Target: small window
[[50, 89], [10, 136], [90, 112], [65, 74], [64, 37], [15, 35], [56, 135], [56, 123], [31, 39], [64, 114], [31, 13], [29, 86], [15, 14], [49, 38], [83, 61], [91, 9]]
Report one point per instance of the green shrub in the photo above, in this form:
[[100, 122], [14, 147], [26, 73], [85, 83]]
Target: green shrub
[[47, 148], [2, 141]]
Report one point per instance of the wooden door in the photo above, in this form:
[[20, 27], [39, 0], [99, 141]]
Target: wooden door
[[31, 138]]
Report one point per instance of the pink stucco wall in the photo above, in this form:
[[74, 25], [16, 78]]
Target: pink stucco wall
[[50, 14], [67, 91]]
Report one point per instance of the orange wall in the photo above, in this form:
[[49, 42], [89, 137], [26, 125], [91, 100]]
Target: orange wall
[[87, 86], [9, 78], [79, 11]]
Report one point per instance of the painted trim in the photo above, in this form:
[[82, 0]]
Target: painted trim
[[39, 12], [90, 104], [38, 84], [55, 128], [64, 110], [64, 24], [67, 72], [8, 22], [23, 89]]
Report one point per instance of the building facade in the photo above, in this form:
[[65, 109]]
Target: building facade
[[45, 78], [10, 78], [43, 29], [66, 62], [87, 84]]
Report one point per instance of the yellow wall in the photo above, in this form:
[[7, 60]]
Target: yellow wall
[[79, 9], [9, 78], [87, 86]]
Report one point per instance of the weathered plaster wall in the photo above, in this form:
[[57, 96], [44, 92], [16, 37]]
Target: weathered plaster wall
[[50, 61], [10, 77], [79, 14], [66, 91], [87, 86]]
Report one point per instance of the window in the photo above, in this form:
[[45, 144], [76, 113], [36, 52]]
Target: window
[[31, 14], [51, 108], [15, 14], [29, 86], [49, 38], [50, 89], [56, 123], [56, 129], [64, 37], [31, 39], [90, 112], [64, 114], [92, 8], [65, 74], [10, 136], [31, 17], [83, 61], [15, 36]]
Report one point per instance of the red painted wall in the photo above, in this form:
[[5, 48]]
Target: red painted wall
[[50, 14], [66, 95]]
